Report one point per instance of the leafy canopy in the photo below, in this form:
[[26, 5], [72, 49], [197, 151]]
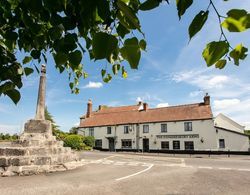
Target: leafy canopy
[[105, 29]]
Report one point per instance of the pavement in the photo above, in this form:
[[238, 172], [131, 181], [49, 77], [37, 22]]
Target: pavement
[[128, 173]]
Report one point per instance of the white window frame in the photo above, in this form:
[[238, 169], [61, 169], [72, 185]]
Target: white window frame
[[166, 128], [188, 126], [145, 128]]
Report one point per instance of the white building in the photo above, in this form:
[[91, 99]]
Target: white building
[[183, 127]]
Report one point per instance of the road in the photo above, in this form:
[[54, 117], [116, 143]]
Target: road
[[122, 173]]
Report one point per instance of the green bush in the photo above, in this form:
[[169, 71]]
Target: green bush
[[89, 141], [74, 141]]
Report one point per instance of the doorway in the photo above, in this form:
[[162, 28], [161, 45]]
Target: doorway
[[111, 144], [145, 145]]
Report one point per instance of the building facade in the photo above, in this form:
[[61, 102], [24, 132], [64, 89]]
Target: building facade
[[139, 128]]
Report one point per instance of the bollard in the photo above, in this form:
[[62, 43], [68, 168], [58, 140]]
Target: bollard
[[228, 155]]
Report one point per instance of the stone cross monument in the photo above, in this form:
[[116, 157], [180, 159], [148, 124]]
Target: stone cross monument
[[37, 150], [40, 107]]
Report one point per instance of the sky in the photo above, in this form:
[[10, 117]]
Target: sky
[[171, 72]]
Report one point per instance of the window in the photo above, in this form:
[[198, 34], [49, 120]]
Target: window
[[98, 143], [221, 143], [109, 130], [188, 126], [91, 131], [176, 145], [126, 129], [165, 145], [164, 128], [189, 145], [145, 128], [126, 143]]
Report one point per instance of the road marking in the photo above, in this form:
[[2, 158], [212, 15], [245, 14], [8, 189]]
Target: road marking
[[135, 173], [243, 169], [133, 163], [201, 167], [224, 168]]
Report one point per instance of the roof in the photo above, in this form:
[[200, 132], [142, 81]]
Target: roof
[[232, 131], [132, 115]]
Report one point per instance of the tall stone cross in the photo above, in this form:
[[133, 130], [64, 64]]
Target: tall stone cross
[[40, 107]]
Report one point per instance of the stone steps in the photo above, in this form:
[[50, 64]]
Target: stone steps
[[8, 161], [39, 151]]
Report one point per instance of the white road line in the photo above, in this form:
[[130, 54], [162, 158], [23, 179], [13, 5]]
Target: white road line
[[201, 167], [119, 163], [243, 169], [135, 173], [224, 168]]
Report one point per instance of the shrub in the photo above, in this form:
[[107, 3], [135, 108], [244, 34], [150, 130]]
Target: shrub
[[89, 141], [74, 141]]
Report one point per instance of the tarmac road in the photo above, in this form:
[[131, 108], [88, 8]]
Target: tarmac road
[[124, 173]]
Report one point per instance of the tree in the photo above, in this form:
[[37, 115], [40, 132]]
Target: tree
[[49, 117], [73, 130], [68, 29]]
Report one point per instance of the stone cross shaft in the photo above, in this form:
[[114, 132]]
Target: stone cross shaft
[[40, 107]]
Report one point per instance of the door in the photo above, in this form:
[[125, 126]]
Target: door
[[145, 145], [111, 145]]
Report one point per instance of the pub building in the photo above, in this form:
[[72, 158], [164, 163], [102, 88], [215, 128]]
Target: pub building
[[173, 128]]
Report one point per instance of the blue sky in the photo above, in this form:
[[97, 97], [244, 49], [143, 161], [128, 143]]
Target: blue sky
[[171, 72]]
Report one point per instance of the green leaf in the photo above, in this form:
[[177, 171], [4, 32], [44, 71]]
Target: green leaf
[[103, 45], [116, 68], [103, 72], [131, 52], [75, 57], [149, 4], [71, 85], [85, 75], [182, 6], [107, 78], [124, 73], [27, 59], [214, 51], [14, 95], [122, 31], [60, 58], [143, 44], [239, 53], [221, 63], [238, 20], [131, 18], [197, 23], [35, 54], [28, 71]]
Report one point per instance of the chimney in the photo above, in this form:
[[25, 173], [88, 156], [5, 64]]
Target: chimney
[[206, 99], [89, 108], [145, 106]]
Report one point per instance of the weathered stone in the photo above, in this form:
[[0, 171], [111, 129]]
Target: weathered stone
[[2, 151], [3, 162], [15, 151], [37, 126], [17, 161], [45, 160]]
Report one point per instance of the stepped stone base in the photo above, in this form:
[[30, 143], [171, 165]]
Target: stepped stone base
[[36, 151]]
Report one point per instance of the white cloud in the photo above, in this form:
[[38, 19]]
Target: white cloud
[[225, 103], [138, 99], [195, 93], [160, 105], [93, 85]]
